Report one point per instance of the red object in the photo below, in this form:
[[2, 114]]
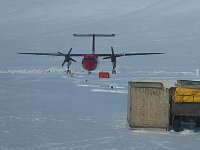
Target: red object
[[104, 75], [90, 62]]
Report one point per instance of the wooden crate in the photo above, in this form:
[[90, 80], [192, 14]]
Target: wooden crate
[[148, 105]]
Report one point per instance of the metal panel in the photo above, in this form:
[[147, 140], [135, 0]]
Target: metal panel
[[188, 84], [148, 105], [186, 109], [146, 84]]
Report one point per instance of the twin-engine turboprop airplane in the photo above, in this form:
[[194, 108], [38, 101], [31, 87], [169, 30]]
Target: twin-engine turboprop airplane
[[90, 61]]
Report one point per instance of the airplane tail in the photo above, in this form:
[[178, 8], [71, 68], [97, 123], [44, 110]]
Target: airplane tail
[[93, 37]]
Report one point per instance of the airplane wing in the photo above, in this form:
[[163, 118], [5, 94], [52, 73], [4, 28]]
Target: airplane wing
[[101, 55], [131, 54], [67, 56], [127, 54], [111, 56], [107, 56], [52, 54]]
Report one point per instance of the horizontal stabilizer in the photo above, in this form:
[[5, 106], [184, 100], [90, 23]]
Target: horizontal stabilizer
[[96, 35]]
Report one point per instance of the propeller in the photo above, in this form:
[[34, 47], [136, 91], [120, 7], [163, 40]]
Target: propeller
[[67, 59], [112, 56], [113, 59]]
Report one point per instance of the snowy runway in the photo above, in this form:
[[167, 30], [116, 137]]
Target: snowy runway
[[55, 111]]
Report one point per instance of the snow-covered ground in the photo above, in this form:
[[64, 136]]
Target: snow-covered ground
[[51, 110], [43, 108]]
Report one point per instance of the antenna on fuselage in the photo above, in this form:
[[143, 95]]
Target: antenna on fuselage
[[93, 38]]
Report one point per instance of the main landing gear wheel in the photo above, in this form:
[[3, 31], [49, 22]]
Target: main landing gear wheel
[[69, 71], [113, 60], [113, 71]]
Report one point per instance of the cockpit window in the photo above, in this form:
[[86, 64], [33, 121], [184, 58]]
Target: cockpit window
[[90, 59]]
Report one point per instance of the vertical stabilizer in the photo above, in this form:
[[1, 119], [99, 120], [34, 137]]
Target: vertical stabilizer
[[93, 38]]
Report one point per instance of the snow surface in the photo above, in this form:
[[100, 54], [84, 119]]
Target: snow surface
[[43, 108]]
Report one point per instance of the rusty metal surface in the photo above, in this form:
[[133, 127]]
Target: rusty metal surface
[[186, 109], [146, 84], [148, 105]]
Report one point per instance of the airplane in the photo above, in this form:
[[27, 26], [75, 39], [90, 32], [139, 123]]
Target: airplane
[[90, 61]]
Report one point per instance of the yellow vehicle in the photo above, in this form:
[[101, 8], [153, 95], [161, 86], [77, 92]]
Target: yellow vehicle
[[185, 102]]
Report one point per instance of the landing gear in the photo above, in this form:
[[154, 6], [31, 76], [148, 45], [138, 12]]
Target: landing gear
[[69, 71], [67, 59], [114, 71], [113, 60], [114, 66]]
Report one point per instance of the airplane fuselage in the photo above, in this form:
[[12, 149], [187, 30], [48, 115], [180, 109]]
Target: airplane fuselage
[[90, 61]]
